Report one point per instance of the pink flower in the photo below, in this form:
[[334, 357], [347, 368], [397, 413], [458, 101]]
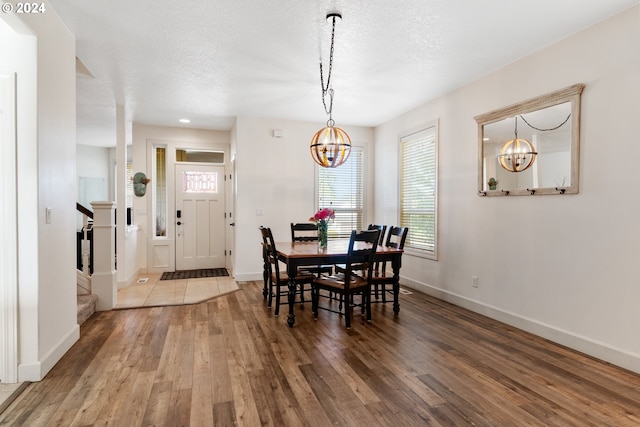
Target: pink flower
[[323, 214]]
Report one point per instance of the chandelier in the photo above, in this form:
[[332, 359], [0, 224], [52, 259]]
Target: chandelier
[[517, 155], [330, 146]]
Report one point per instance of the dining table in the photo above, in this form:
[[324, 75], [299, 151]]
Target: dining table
[[300, 254]]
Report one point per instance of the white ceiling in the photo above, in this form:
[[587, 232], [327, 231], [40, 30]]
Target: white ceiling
[[210, 61]]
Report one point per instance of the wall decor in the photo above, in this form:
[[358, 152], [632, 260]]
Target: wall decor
[[140, 182], [532, 147]]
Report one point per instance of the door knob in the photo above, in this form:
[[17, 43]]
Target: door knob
[[233, 224]]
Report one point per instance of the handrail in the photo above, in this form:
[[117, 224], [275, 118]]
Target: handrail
[[83, 210]]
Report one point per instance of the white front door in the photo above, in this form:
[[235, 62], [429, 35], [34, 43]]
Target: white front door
[[200, 222]]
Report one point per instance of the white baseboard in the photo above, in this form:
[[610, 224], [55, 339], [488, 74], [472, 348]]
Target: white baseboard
[[247, 277], [128, 281], [576, 342], [36, 371]]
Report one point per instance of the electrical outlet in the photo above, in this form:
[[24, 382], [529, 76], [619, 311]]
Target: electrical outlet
[[474, 281]]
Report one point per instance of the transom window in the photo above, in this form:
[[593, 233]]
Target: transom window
[[199, 156]]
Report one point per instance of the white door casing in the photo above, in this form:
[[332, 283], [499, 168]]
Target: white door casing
[[231, 222], [8, 227], [200, 227]]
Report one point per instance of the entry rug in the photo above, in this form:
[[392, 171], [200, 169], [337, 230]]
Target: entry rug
[[194, 274]]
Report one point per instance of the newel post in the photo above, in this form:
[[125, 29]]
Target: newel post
[[104, 279]]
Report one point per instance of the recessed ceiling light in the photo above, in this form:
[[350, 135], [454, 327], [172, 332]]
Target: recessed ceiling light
[[185, 121]]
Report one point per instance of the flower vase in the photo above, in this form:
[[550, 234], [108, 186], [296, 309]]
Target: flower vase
[[322, 234]]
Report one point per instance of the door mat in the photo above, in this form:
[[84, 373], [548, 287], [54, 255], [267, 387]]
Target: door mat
[[194, 274]]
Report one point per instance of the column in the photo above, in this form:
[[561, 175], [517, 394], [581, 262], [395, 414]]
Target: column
[[104, 279]]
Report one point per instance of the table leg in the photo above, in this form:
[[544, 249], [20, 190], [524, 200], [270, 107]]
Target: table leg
[[291, 318], [396, 296], [396, 263]]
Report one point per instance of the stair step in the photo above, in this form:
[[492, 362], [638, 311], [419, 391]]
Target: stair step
[[86, 307]]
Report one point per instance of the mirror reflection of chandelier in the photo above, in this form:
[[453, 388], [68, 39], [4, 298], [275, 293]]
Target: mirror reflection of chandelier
[[330, 146], [517, 155]]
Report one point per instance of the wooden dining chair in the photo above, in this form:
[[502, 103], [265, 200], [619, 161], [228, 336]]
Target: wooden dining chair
[[382, 228], [308, 232], [361, 251], [381, 278], [279, 279]]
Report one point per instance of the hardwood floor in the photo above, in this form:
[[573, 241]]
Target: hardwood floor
[[229, 361]]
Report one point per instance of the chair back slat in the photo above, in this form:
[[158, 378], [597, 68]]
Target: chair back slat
[[396, 237], [383, 230], [360, 257], [304, 232]]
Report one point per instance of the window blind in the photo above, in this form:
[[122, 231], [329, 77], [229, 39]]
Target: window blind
[[418, 189], [342, 189]]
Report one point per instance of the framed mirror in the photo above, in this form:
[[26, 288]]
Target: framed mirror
[[532, 147]]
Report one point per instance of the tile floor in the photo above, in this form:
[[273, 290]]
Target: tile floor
[[8, 392], [155, 292]]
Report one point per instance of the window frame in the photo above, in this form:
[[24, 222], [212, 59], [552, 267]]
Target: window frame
[[365, 190], [402, 138]]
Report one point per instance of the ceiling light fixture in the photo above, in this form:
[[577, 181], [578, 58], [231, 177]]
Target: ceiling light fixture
[[517, 155], [330, 146], [185, 121]]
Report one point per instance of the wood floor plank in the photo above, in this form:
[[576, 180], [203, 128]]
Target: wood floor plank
[[220, 376], [230, 361], [352, 373], [244, 402], [133, 410], [183, 379], [167, 366], [156, 409], [224, 414], [201, 411], [179, 413]]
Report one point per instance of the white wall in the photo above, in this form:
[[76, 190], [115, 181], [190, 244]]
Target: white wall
[[563, 267], [95, 162], [275, 175], [47, 179], [173, 137]]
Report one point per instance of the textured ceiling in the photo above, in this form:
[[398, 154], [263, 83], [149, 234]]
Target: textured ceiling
[[210, 61]]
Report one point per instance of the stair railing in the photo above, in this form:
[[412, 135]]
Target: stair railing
[[84, 275]]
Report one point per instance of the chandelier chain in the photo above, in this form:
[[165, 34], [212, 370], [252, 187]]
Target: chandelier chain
[[543, 130], [326, 89]]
